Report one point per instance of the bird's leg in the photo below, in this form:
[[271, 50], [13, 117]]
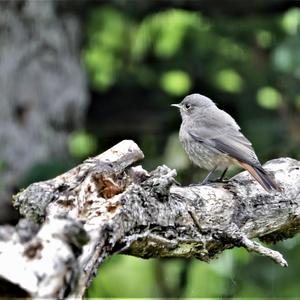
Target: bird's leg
[[206, 179], [222, 175]]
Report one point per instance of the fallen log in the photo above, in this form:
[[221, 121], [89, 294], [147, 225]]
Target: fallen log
[[107, 206]]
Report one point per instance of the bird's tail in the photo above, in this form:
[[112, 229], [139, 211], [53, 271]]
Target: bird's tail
[[262, 177]]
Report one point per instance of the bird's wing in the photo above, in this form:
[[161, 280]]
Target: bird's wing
[[224, 136]]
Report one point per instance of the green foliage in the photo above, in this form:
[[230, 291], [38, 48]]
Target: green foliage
[[164, 32], [286, 58], [124, 277], [204, 282], [107, 39], [176, 83], [264, 38], [82, 144], [291, 21], [229, 80], [138, 278], [268, 97]]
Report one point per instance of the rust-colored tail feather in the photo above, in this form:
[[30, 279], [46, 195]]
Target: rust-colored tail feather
[[261, 177]]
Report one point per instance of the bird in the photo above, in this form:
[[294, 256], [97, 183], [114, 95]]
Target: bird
[[214, 141]]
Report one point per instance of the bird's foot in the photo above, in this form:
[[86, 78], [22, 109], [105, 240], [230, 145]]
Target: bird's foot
[[222, 180], [217, 180], [210, 181]]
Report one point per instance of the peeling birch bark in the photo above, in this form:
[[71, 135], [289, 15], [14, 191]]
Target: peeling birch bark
[[106, 206]]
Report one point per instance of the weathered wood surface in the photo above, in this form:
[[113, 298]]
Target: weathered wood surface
[[105, 206]]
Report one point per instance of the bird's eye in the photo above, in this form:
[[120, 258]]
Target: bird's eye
[[187, 105]]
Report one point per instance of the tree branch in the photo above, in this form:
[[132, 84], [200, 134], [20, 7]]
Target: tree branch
[[111, 207]]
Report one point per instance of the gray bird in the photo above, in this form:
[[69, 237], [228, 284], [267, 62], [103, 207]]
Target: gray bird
[[212, 140]]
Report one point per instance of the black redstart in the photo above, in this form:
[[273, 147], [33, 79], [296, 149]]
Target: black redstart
[[212, 140]]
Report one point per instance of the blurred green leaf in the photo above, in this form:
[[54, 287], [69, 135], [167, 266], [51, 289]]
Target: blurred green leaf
[[103, 66], [229, 80], [176, 83], [131, 277], [203, 281], [253, 290], [108, 36], [268, 97], [224, 264], [229, 49], [286, 56], [291, 21], [82, 144], [264, 38], [165, 31]]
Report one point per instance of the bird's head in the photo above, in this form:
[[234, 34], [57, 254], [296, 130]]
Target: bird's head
[[193, 105]]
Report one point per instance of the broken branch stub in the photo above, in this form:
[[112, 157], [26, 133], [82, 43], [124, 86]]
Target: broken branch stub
[[126, 209]]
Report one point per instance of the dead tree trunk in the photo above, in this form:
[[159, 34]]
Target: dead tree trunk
[[43, 88], [105, 206]]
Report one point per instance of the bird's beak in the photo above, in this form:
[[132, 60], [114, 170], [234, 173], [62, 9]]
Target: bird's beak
[[176, 105]]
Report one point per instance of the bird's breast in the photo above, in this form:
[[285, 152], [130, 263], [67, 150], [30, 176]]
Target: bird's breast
[[202, 155]]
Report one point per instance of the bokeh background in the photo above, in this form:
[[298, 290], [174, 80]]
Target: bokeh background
[[78, 77]]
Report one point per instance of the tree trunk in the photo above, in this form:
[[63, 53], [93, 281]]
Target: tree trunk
[[43, 88]]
